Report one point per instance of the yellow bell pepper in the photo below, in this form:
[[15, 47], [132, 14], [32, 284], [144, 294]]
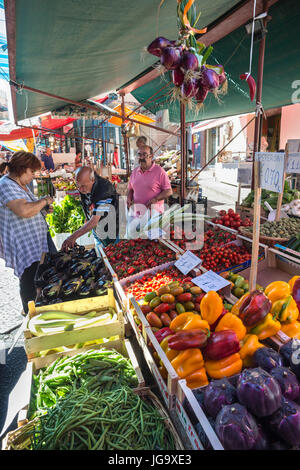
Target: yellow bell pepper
[[268, 327], [211, 307], [285, 310], [249, 345], [236, 307], [292, 282], [278, 290], [197, 379], [225, 367], [291, 329], [170, 353], [187, 362], [231, 322]]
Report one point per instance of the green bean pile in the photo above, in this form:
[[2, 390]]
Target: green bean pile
[[108, 369], [114, 420]]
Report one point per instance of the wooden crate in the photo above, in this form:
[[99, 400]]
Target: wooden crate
[[123, 346], [36, 344]]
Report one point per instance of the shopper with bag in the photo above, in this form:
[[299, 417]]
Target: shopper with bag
[[24, 232]]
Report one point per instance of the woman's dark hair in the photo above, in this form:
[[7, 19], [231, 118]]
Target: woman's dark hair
[[21, 161], [2, 168]]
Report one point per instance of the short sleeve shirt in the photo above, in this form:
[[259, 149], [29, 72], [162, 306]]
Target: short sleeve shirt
[[103, 200], [148, 184], [22, 240], [48, 161]]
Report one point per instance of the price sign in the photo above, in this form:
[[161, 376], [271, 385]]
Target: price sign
[[210, 281], [187, 262], [272, 167], [155, 233], [244, 175], [293, 163]]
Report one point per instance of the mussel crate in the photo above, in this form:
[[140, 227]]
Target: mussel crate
[[114, 327], [121, 345]]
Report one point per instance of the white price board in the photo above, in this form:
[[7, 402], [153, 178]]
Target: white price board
[[155, 233], [272, 167], [210, 281], [293, 163], [187, 262], [244, 175]]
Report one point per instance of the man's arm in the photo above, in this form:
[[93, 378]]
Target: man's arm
[[87, 227], [129, 197], [163, 195]]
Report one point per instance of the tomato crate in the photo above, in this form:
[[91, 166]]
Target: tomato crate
[[24, 385], [172, 254], [107, 303]]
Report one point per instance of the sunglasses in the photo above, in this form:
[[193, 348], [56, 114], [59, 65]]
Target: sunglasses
[[144, 154]]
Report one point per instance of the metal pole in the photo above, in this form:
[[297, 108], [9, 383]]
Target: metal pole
[[125, 138], [258, 119], [183, 152], [83, 135]]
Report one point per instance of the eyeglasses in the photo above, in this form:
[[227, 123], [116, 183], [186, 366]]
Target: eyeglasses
[[144, 154]]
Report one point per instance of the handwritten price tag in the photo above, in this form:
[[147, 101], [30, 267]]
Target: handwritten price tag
[[187, 262], [293, 163], [155, 233], [210, 281], [271, 170]]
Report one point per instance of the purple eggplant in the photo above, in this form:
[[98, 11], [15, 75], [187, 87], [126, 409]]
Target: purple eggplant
[[285, 422], [267, 358], [259, 392], [236, 428], [288, 382], [262, 442], [217, 394], [290, 352]]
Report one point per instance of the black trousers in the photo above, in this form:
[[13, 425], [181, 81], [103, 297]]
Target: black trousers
[[27, 287]]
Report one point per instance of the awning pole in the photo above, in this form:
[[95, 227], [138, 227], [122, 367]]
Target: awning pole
[[183, 152], [125, 138]]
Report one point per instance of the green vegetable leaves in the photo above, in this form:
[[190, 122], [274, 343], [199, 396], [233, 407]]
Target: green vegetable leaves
[[67, 217]]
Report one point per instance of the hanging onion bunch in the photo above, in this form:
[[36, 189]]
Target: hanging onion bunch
[[186, 59]]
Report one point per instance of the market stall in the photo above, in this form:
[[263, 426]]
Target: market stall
[[216, 323]]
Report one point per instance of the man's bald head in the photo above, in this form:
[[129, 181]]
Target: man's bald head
[[85, 179]]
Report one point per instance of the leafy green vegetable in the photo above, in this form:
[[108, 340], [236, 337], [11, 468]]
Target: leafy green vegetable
[[66, 217]]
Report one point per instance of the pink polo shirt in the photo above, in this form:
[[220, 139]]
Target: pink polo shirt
[[148, 184]]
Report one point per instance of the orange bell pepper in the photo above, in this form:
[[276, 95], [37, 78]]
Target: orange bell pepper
[[187, 362], [226, 367], [236, 307], [163, 372], [291, 329], [249, 345], [188, 321], [170, 353], [197, 379], [292, 281], [277, 290], [211, 307], [231, 322]]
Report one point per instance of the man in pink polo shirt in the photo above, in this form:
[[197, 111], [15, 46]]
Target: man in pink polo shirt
[[149, 184]]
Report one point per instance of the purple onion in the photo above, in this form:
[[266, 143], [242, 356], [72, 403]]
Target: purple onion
[[201, 94], [158, 45], [177, 77], [189, 88], [170, 57], [209, 78], [189, 61]]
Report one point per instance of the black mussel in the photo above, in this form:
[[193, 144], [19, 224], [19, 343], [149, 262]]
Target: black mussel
[[71, 287], [52, 290]]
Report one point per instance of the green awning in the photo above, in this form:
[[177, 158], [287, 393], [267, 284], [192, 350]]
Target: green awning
[[78, 49], [281, 70]]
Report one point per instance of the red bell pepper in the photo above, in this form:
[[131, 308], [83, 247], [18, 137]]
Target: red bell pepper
[[221, 344], [188, 339], [296, 292], [163, 333], [254, 308], [251, 84]]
